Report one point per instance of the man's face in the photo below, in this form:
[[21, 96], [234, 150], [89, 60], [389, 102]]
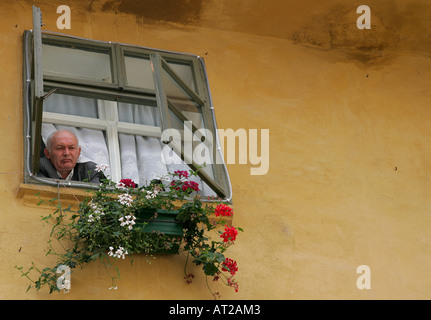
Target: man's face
[[64, 152]]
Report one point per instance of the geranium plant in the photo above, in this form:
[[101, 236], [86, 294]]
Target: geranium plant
[[108, 225]]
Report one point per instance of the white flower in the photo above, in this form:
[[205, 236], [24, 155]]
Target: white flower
[[121, 185], [97, 212], [128, 221], [125, 199], [119, 253], [101, 167], [66, 284], [151, 194]]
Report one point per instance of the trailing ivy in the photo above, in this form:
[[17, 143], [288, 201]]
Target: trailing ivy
[[104, 227]]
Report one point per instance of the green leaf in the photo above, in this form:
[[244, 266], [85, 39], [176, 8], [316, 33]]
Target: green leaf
[[219, 257], [210, 269]]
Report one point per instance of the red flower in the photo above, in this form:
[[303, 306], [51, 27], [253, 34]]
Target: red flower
[[229, 234], [232, 283], [223, 210], [230, 266], [191, 185], [180, 173], [128, 183], [185, 185]]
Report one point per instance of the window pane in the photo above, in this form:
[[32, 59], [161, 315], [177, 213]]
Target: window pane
[[71, 105], [185, 71], [138, 72], [182, 101], [190, 111], [201, 151], [76, 63], [139, 114]]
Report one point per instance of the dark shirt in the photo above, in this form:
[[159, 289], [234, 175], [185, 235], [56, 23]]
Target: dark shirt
[[82, 171]]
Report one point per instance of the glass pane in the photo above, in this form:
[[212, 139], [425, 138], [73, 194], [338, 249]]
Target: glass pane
[[192, 112], [138, 72], [201, 152], [71, 105], [182, 101], [76, 63], [177, 123], [139, 114], [185, 71]]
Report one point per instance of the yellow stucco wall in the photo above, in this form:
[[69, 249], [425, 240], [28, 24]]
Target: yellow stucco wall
[[349, 178]]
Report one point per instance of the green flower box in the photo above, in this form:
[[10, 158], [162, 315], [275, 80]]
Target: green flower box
[[160, 221]]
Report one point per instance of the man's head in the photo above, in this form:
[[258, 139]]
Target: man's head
[[62, 149]]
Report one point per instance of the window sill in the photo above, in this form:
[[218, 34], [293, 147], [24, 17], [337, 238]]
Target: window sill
[[31, 194]]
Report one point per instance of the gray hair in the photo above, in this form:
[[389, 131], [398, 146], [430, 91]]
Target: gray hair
[[48, 141]]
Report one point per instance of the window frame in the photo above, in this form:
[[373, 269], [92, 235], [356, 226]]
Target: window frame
[[164, 102], [118, 91]]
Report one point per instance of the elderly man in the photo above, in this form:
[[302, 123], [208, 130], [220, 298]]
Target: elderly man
[[60, 162]]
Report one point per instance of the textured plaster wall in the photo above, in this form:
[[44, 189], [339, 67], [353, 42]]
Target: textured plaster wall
[[348, 112]]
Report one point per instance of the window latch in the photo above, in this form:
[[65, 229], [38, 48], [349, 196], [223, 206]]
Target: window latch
[[49, 93]]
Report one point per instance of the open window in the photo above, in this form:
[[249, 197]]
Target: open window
[[143, 111]]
